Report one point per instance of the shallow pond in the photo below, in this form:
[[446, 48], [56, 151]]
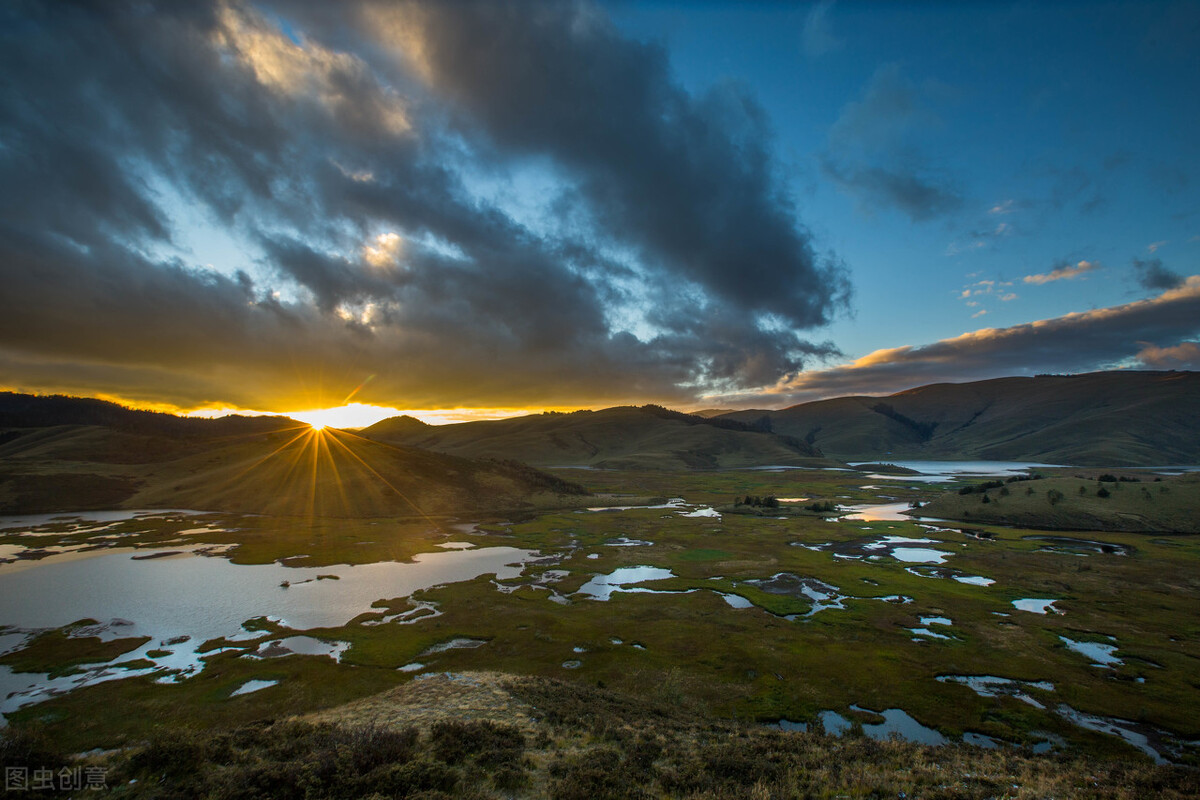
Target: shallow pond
[[1066, 544], [251, 686], [946, 471], [75, 519], [896, 722], [1100, 653], [1036, 605], [623, 579], [994, 686], [878, 512], [182, 600]]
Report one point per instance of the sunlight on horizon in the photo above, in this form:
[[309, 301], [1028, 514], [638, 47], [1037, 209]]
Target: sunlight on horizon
[[362, 415]]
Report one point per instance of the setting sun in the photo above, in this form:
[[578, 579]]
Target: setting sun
[[353, 415]]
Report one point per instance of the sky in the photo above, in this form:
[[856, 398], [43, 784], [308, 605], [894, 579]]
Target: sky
[[474, 209]]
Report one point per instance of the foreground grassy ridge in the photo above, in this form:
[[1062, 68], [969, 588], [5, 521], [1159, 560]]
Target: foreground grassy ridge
[[748, 664], [586, 744]]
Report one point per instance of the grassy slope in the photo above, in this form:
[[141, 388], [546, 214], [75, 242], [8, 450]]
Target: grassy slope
[[619, 438], [1105, 418], [291, 472], [1169, 506]]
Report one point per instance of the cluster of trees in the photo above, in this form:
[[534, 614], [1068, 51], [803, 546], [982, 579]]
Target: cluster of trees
[[981, 487], [760, 425], [1109, 478], [770, 501], [998, 484], [924, 430]]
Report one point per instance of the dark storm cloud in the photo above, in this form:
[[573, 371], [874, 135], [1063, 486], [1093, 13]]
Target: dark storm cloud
[[1151, 274], [1158, 332], [689, 180], [346, 178], [875, 155]]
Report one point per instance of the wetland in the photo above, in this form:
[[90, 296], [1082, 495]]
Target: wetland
[[1067, 643]]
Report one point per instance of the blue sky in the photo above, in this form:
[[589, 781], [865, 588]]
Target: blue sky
[[1063, 131], [279, 205]]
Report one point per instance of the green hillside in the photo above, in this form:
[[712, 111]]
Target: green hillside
[[1103, 418], [627, 437], [1138, 504]]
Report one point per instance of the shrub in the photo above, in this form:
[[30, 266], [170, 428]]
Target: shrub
[[1102, 492], [1054, 495], [490, 743], [600, 774], [175, 754], [417, 776], [366, 747], [31, 748]]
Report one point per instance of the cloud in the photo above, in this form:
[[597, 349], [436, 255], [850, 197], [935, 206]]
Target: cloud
[[1063, 271], [817, 37], [979, 239], [874, 150], [370, 163], [921, 198], [687, 179], [1152, 275], [1153, 246], [1157, 332], [1185, 355], [983, 289]]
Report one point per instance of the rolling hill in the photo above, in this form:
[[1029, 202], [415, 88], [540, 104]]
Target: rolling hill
[[626, 437], [1103, 418], [110, 457]]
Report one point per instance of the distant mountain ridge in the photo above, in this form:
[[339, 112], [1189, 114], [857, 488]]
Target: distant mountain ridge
[[1120, 418], [61, 454], [41, 411], [1116, 418], [625, 437]]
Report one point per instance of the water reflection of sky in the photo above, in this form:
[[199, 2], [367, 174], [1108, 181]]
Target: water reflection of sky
[[198, 598], [946, 471]]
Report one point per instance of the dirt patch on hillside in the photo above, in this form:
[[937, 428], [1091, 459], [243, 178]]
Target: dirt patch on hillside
[[436, 697]]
